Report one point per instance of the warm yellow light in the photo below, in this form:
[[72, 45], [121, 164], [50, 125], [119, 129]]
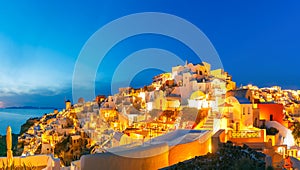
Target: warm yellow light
[[115, 124], [279, 149], [142, 95]]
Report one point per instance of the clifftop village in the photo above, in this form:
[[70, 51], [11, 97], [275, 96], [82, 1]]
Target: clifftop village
[[188, 112]]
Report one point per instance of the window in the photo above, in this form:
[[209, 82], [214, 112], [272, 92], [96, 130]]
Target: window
[[243, 110], [248, 110]]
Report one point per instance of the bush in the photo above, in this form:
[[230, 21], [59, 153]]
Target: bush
[[272, 131]]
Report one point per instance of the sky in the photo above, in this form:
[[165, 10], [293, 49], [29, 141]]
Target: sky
[[258, 42]]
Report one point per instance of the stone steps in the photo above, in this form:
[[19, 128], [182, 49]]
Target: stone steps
[[208, 125]]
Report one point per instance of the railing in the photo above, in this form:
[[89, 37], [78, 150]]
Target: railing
[[245, 134]]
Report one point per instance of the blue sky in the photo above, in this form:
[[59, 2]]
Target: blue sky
[[257, 41]]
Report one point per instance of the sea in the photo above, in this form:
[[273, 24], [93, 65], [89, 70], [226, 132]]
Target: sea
[[17, 117]]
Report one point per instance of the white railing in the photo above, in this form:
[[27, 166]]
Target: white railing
[[245, 134]]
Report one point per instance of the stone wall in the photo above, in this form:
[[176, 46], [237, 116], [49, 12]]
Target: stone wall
[[147, 156], [182, 152], [136, 159]]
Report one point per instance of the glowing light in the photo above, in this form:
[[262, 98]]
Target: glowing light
[[142, 95], [209, 147]]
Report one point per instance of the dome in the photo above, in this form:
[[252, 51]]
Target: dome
[[197, 95]]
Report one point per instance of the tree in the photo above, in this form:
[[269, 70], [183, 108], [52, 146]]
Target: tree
[[62, 146], [296, 132], [245, 164], [272, 131]]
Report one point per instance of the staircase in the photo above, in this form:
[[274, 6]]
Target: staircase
[[209, 123]]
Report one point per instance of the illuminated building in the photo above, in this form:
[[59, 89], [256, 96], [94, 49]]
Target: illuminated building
[[271, 112], [68, 105]]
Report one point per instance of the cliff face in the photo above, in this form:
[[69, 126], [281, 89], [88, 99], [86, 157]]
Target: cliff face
[[18, 147], [28, 124]]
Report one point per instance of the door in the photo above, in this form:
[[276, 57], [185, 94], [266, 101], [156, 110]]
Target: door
[[271, 117], [237, 126]]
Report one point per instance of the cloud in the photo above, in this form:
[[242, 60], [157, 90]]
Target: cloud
[[32, 70]]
